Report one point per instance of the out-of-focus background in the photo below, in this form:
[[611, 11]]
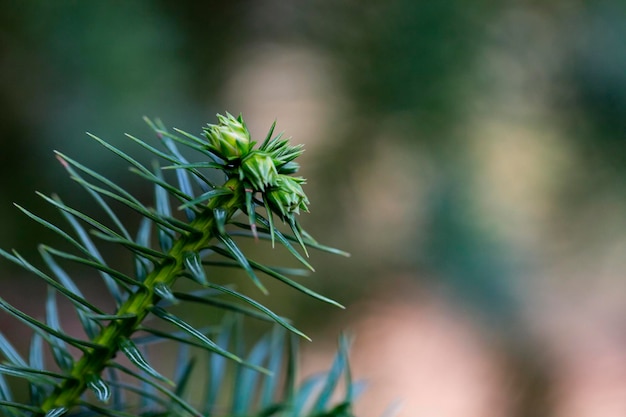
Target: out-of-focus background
[[470, 155]]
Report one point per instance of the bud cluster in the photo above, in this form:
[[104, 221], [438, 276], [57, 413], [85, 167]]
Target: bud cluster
[[264, 170]]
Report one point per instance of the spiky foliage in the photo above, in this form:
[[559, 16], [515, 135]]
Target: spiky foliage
[[111, 355]]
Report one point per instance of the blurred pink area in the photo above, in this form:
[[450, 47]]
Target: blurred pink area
[[414, 348], [583, 332]]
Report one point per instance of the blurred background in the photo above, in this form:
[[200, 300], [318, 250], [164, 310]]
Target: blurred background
[[470, 155]]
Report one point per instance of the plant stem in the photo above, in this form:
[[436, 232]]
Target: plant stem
[[138, 304]]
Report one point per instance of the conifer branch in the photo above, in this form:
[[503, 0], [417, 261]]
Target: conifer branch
[[257, 178]]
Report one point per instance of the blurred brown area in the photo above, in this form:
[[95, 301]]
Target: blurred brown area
[[470, 156]]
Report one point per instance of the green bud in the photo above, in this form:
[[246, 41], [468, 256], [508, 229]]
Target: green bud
[[286, 197], [259, 169], [229, 139]]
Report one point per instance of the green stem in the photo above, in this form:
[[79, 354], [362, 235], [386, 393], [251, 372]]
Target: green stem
[[138, 304]]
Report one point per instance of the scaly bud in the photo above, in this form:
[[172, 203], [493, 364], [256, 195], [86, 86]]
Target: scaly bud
[[286, 197], [229, 139], [259, 169]]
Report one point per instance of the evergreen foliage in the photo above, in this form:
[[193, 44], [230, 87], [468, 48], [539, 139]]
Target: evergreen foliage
[[194, 221]]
